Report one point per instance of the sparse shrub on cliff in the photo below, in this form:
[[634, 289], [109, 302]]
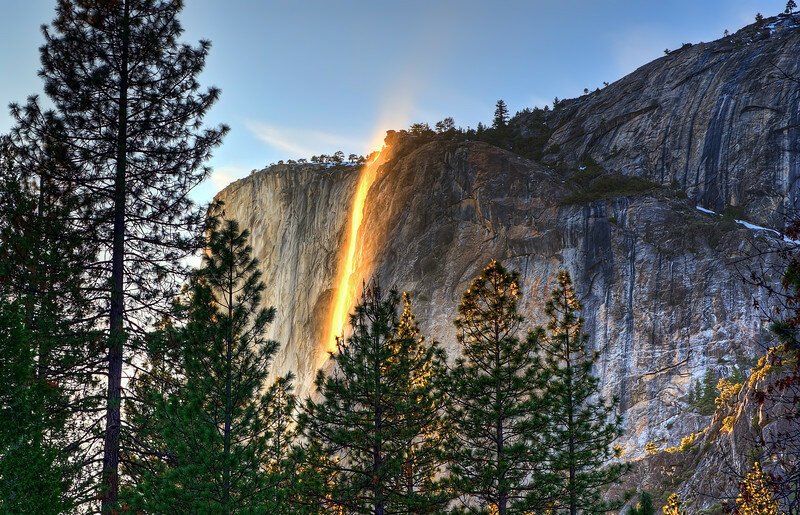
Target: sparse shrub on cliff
[[674, 506], [727, 390], [686, 443], [593, 184]]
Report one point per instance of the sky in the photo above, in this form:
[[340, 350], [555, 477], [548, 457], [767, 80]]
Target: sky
[[305, 77]]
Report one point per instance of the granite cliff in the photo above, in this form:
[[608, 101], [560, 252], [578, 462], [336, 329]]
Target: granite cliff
[[719, 120], [628, 196]]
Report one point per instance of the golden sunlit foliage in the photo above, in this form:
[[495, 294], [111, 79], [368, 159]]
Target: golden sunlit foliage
[[673, 506], [727, 389], [755, 495], [686, 443]]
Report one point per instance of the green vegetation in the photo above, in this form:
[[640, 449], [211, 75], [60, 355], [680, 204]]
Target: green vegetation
[[95, 229], [703, 394], [644, 506], [592, 184], [575, 407], [378, 421], [500, 121], [501, 449], [223, 436]]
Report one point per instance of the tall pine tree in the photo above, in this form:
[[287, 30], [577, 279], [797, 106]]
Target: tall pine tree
[[497, 457], [126, 92], [377, 421], [582, 426], [223, 436]]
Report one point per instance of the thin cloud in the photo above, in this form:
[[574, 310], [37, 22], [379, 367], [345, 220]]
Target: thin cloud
[[220, 179], [222, 176], [300, 142]]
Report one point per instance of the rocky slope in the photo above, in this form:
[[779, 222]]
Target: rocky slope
[[759, 422], [721, 120], [660, 280]]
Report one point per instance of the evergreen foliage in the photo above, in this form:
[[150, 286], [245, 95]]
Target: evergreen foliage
[[644, 506], [704, 393], [126, 93], [223, 438], [500, 120], [582, 425], [498, 454], [377, 423], [31, 465], [445, 125], [43, 274]]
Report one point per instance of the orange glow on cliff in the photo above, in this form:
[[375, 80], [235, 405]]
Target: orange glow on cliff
[[345, 292]]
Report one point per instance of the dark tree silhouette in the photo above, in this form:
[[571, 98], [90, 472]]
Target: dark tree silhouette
[[126, 91], [500, 120]]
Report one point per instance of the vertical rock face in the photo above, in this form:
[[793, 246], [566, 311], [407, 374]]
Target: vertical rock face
[[660, 281], [296, 217], [663, 302], [718, 119]]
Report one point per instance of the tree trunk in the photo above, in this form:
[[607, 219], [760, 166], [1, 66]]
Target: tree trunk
[[116, 337], [378, 423], [226, 471], [573, 501]]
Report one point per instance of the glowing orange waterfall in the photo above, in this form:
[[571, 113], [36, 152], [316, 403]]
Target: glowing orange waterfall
[[345, 292]]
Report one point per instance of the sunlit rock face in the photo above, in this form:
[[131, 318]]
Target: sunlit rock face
[[297, 217], [662, 299], [660, 281], [718, 119]]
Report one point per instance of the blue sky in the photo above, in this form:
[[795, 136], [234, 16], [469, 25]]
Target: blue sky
[[302, 77]]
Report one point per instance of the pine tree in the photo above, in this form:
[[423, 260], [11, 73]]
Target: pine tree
[[420, 424], [644, 506], [704, 393], [126, 92], [225, 439], [791, 5], [43, 257], [755, 495], [30, 465], [377, 423], [445, 125], [497, 455], [582, 426], [500, 115]]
